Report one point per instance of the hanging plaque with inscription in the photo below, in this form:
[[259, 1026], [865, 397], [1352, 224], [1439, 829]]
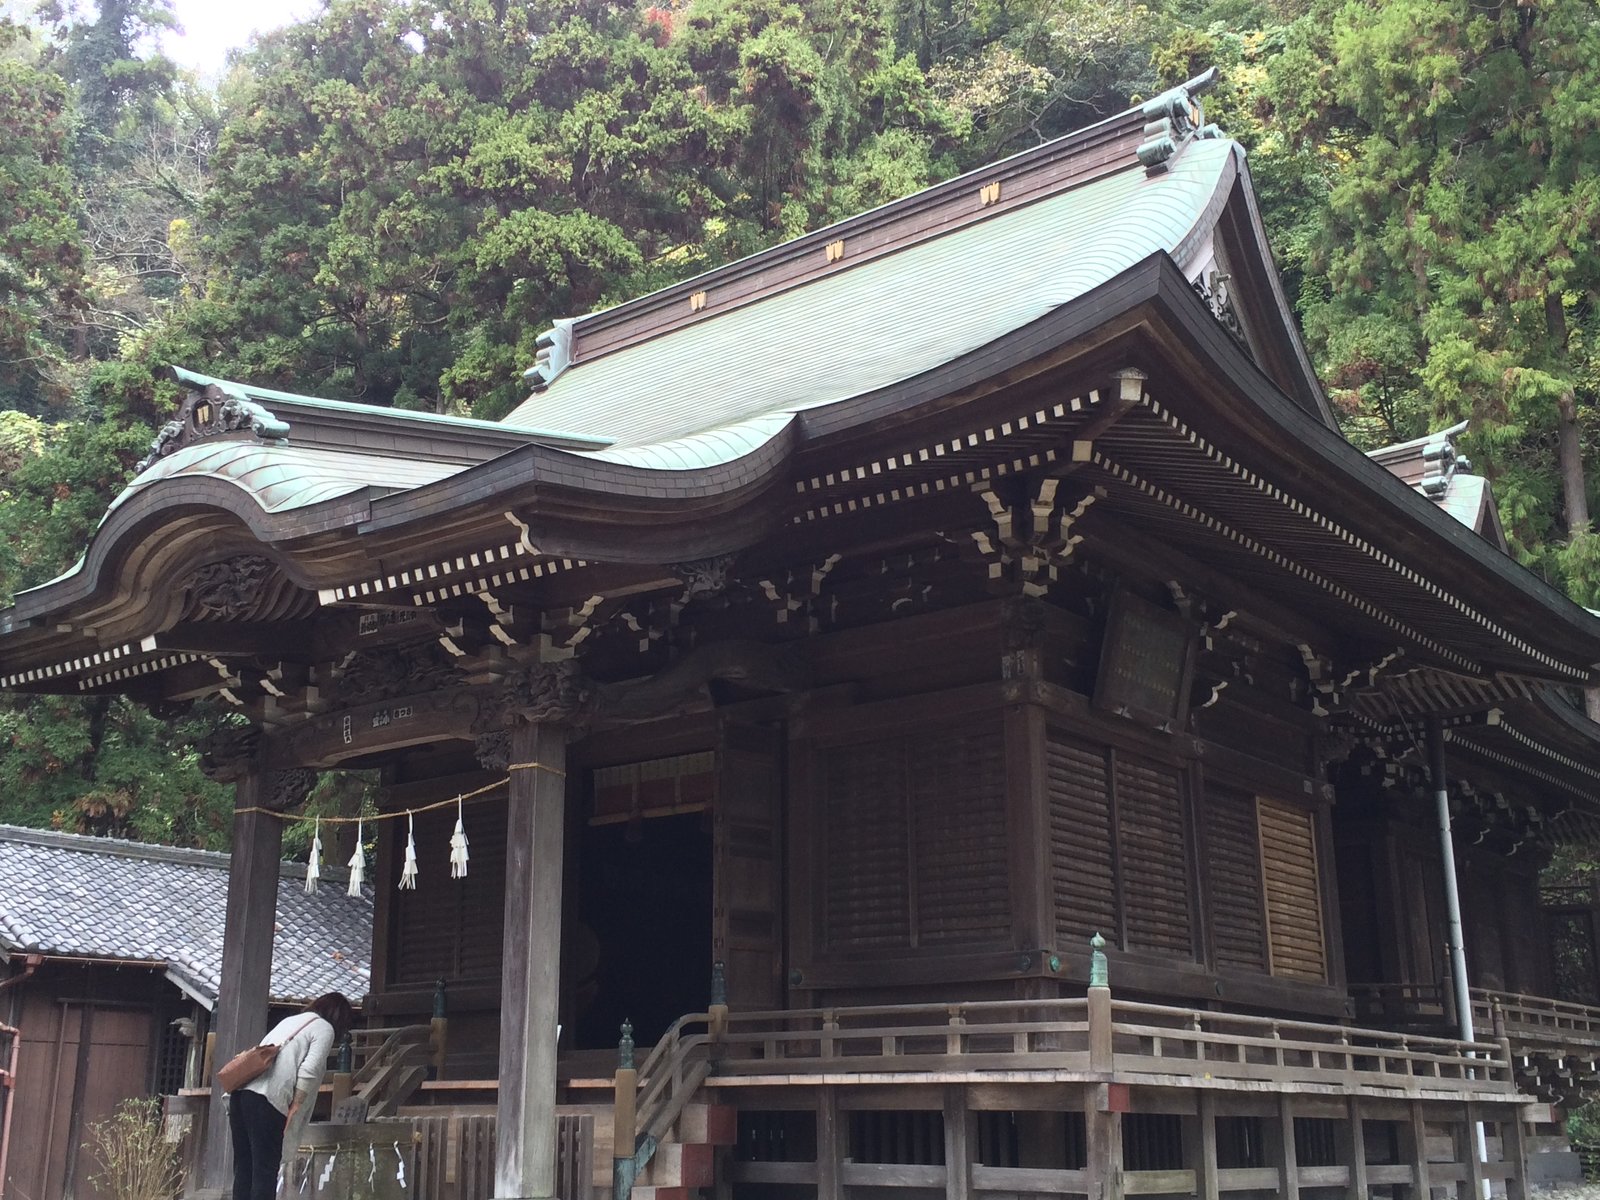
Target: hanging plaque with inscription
[[1144, 662]]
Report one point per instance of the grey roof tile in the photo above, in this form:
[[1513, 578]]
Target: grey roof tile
[[64, 894]]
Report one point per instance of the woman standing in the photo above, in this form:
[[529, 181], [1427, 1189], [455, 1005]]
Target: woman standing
[[260, 1111]]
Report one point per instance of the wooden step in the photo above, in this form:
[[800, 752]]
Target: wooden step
[[714, 1124], [654, 1192], [681, 1164]]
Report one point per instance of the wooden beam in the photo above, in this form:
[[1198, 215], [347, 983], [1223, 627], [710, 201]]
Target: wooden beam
[[1356, 1149], [241, 1014], [525, 1147]]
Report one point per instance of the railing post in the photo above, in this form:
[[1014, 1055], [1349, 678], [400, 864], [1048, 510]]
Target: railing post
[[717, 1012], [1107, 1101], [624, 1111], [438, 1031], [1100, 1046], [341, 1076]]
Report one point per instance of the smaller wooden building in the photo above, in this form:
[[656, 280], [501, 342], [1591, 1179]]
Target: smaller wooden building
[[112, 956]]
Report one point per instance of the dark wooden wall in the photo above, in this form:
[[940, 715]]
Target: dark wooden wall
[[90, 1038]]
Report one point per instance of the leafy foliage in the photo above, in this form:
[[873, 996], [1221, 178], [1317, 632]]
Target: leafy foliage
[[389, 201]]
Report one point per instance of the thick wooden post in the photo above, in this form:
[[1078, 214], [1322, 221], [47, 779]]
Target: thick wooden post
[[833, 1143], [525, 1139], [241, 1014], [1288, 1152], [1103, 1112], [1206, 1174], [1355, 1149], [957, 1143]]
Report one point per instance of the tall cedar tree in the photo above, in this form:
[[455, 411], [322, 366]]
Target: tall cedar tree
[[1461, 239]]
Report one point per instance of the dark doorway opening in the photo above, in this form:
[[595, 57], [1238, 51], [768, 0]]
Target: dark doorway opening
[[644, 908]]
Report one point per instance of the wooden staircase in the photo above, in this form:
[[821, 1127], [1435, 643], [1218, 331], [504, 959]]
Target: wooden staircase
[[685, 1160], [391, 1064]]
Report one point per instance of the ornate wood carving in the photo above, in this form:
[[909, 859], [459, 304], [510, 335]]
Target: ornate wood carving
[[704, 577], [383, 673], [492, 748], [288, 788], [554, 693], [211, 413], [230, 752], [228, 589]]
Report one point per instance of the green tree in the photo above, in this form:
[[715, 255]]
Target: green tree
[[42, 284], [1461, 238]]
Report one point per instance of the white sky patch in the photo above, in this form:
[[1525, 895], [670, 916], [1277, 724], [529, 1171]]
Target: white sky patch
[[211, 28]]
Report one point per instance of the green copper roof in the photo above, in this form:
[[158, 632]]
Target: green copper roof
[[890, 318], [281, 477]]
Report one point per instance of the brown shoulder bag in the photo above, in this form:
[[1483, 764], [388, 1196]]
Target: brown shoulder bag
[[250, 1065]]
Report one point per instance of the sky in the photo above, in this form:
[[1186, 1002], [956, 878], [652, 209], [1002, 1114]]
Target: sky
[[213, 27]]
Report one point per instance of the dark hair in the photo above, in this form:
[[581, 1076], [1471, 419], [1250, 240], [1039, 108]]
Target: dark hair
[[335, 1009]]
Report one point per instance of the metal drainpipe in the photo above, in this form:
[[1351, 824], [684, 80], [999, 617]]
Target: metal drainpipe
[[1452, 900]]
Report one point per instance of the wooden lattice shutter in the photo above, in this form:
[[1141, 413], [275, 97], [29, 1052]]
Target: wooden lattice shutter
[[957, 780], [451, 928], [868, 882], [1293, 890], [1233, 875], [1153, 849], [1081, 864]]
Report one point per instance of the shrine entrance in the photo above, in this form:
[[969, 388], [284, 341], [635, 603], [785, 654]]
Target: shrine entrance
[[641, 946]]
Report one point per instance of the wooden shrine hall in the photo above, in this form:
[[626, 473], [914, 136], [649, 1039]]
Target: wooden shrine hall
[[944, 681]]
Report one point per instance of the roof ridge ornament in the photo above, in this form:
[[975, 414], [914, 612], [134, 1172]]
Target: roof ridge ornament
[[1172, 119], [212, 409], [554, 354]]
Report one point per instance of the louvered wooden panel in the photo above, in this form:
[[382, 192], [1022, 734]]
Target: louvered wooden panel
[[1233, 866], [452, 928], [1293, 890], [1081, 866], [1152, 842], [868, 900], [958, 815], [482, 892]]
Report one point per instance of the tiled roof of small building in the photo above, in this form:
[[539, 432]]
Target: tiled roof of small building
[[85, 897]]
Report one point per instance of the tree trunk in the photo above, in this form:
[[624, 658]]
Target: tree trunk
[[1569, 444]]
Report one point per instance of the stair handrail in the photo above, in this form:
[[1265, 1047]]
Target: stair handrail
[[672, 1073]]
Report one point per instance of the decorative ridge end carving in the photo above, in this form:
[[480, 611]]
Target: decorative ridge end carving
[[211, 412]]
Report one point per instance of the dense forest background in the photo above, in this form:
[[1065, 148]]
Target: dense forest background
[[388, 202]]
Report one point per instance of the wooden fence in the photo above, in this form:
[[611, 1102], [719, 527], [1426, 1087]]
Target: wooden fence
[[455, 1155]]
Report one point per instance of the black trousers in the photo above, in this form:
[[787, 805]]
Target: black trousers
[[257, 1145]]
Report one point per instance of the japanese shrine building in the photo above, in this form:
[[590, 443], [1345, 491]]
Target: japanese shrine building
[[882, 617]]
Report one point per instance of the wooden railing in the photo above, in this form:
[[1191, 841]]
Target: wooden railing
[[1144, 1039], [1539, 1018], [1524, 1019], [1260, 1049], [455, 1156], [390, 1064]]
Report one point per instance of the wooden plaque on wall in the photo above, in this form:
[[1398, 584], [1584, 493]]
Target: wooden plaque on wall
[[1145, 662]]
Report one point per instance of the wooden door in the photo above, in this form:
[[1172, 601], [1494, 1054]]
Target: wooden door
[[747, 871], [114, 1065]]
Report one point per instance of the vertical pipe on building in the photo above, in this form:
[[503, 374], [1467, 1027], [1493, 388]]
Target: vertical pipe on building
[[1452, 900], [1452, 894]]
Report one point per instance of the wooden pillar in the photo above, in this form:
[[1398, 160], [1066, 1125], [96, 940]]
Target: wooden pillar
[[1414, 1135], [1206, 1172], [1467, 1141], [1103, 1138], [1355, 1149], [525, 1143], [240, 1019], [832, 1145], [958, 1142], [1514, 1151], [1288, 1153]]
